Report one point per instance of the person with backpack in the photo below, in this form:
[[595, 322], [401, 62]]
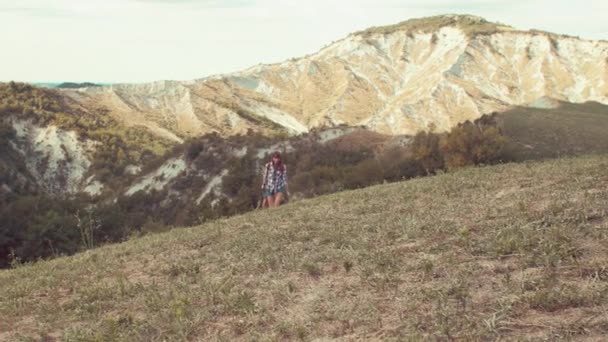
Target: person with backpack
[[274, 182]]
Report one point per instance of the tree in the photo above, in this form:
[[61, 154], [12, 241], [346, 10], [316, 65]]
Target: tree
[[425, 150], [472, 144]]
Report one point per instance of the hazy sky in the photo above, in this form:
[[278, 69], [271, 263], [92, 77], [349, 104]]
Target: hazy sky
[[146, 40]]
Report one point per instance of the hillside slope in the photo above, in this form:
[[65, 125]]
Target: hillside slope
[[512, 251], [400, 79], [555, 129]]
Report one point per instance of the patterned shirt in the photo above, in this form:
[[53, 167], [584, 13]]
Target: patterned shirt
[[274, 179]]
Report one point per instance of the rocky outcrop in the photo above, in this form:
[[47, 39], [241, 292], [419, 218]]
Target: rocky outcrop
[[57, 159]]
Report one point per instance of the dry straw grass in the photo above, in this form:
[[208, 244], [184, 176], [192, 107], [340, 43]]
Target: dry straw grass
[[470, 25], [510, 252]]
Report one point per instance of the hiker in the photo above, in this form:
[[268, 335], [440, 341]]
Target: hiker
[[274, 182]]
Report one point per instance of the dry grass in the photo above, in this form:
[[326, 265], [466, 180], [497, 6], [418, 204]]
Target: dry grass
[[470, 25], [511, 252]]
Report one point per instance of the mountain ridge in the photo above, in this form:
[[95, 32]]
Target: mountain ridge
[[477, 24], [399, 79]]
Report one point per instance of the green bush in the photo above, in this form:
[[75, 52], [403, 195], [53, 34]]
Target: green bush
[[38, 227], [472, 144]]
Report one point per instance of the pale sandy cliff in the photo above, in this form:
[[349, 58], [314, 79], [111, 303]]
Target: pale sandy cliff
[[430, 72]]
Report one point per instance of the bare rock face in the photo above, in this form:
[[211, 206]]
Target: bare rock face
[[400, 79], [58, 159]]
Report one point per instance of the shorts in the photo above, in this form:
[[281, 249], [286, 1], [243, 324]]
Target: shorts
[[273, 192]]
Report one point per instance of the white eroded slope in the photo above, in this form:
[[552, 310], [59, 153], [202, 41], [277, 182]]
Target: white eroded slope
[[57, 158], [436, 71], [158, 179]]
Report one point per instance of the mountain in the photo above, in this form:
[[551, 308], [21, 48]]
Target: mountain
[[514, 252], [70, 85], [73, 85], [423, 73]]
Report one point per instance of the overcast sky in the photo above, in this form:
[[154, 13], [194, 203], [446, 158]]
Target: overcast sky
[[147, 40]]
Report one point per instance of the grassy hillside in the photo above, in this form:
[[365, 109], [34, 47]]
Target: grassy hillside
[[516, 251], [570, 129], [470, 25]]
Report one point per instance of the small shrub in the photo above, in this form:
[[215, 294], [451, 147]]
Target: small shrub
[[348, 265]]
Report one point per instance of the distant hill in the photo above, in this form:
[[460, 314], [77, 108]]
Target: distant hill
[[46, 84], [510, 252], [71, 85]]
